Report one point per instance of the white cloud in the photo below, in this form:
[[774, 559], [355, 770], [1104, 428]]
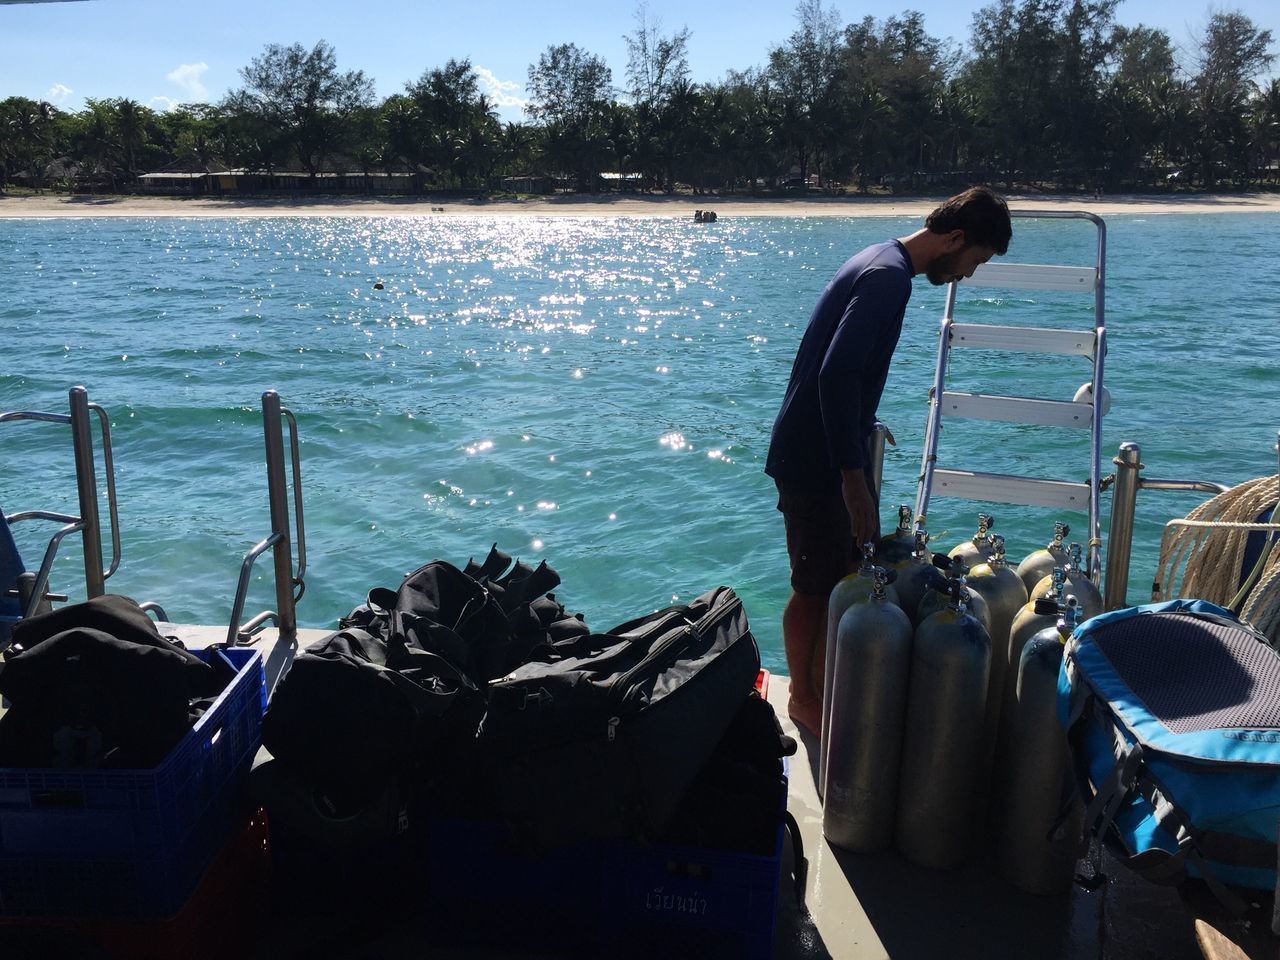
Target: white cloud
[[501, 93], [188, 77], [162, 104], [58, 93]]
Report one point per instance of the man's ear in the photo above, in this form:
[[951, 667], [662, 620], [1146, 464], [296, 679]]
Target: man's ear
[[955, 240]]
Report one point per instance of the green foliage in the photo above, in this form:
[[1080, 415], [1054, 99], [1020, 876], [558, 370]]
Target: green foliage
[[1049, 92]]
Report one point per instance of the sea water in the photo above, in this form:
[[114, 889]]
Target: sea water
[[594, 392]]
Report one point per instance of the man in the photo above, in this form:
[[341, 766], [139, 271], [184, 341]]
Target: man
[[819, 453]]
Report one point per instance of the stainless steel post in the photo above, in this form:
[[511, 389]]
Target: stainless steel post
[[279, 501], [877, 457], [87, 488], [1124, 500]]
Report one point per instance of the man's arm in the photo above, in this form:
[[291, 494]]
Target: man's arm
[[864, 519]]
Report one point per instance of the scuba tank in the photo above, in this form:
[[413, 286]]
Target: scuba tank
[[1032, 617], [936, 600], [1037, 614], [942, 744], [1005, 595], [1041, 822], [868, 703], [977, 549], [916, 575], [854, 588], [1041, 563], [1077, 583], [896, 547]]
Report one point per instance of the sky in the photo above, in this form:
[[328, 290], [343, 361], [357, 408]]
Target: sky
[[163, 52]]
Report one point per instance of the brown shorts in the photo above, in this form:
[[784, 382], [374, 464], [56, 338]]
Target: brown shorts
[[819, 541]]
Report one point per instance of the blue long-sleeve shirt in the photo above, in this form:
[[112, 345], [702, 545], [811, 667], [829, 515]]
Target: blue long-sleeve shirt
[[840, 370]]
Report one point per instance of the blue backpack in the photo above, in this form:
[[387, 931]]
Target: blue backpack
[[1172, 712]]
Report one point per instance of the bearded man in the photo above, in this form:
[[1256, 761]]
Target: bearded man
[[820, 449]]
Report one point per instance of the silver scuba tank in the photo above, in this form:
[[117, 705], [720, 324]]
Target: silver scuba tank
[[1040, 564], [936, 600], [916, 575], [947, 693], [1040, 824], [855, 588], [1078, 584], [976, 550], [893, 548], [1005, 595], [868, 707]]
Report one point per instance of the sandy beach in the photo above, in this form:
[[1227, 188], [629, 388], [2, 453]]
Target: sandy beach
[[575, 205]]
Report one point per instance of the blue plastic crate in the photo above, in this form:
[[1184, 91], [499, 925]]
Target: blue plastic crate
[[689, 901], [615, 899], [474, 875], [131, 843], [712, 904]]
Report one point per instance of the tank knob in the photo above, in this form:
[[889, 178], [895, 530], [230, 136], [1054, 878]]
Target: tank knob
[[985, 522], [878, 580], [942, 563], [904, 517], [997, 550], [1060, 531]]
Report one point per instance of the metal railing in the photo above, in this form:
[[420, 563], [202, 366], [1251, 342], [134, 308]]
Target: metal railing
[[88, 522], [278, 541], [1124, 501]]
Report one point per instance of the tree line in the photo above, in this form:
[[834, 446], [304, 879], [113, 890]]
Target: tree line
[[1050, 92]]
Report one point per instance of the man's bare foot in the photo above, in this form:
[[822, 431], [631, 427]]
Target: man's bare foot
[[807, 714]]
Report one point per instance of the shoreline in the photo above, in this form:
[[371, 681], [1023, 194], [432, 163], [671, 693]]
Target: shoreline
[[597, 205]]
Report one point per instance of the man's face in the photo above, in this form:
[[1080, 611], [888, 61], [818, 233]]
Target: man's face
[[957, 264]]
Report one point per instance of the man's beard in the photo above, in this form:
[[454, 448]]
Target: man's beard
[[942, 268]]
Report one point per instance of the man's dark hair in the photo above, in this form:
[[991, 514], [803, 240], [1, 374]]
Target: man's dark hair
[[981, 213]]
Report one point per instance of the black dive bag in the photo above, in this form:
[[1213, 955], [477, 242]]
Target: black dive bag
[[603, 738]]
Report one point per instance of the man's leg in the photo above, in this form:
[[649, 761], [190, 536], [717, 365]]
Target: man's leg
[[804, 638], [820, 545]]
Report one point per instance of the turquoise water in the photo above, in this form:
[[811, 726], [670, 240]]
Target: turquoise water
[[593, 392]]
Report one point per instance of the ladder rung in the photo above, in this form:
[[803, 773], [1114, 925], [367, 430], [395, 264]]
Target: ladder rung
[[1034, 276], [1002, 488], [1043, 413], [981, 336]]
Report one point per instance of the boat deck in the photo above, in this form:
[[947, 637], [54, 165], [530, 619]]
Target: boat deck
[[864, 907]]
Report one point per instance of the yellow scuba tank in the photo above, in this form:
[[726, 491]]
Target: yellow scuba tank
[[1077, 583], [1005, 595], [976, 550], [1040, 564], [939, 597]]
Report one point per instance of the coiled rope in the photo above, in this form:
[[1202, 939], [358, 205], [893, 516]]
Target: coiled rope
[[1206, 551]]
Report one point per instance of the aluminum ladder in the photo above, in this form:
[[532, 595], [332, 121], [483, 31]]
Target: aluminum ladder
[[1055, 493]]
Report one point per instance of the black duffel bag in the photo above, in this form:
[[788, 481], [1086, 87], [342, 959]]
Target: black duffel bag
[[355, 710], [604, 737]]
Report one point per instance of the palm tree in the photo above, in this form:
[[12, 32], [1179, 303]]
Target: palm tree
[[130, 130]]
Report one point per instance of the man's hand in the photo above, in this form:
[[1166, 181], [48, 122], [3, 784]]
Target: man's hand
[[864, 520]]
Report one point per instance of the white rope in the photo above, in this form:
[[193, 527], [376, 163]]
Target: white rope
[[1201, 557], [1262, 607]]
